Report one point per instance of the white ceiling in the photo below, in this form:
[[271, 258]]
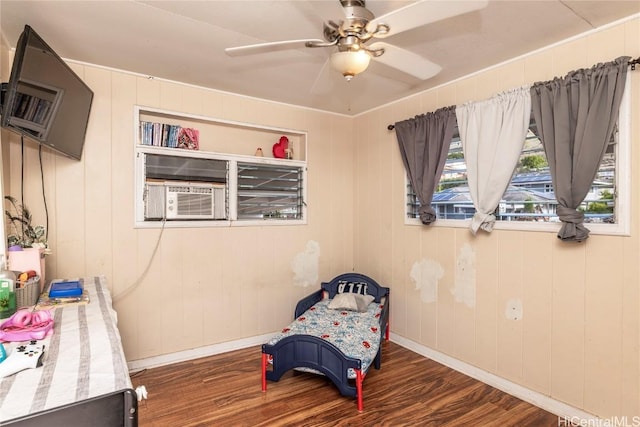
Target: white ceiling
[[185, 41]]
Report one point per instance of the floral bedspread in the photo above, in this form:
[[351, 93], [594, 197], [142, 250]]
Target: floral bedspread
[[356, 334]]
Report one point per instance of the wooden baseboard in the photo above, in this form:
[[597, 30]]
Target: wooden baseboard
[[196, 353]]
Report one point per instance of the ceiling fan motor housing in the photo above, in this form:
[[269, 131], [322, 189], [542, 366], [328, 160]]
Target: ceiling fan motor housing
[[357, 16]]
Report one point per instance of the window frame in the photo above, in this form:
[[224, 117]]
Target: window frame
[[622, 227], [231, 190], [300, 190]]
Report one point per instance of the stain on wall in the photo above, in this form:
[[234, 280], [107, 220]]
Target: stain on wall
[[305, 265], [426, 274], [464, 288]]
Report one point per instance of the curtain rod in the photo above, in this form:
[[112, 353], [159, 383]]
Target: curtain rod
[[631, 63]]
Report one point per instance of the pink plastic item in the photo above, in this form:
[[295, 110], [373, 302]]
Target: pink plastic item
[[26, 325]]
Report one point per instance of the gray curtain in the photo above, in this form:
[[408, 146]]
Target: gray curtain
[[575, 117], [424, 145]]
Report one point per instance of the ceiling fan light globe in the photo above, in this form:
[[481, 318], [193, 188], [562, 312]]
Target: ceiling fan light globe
[[350, 63]]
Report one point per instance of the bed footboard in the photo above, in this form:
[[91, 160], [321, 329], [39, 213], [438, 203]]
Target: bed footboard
[[306, 351]]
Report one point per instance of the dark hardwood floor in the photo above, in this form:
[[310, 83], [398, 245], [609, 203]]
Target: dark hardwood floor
[[409, 390]]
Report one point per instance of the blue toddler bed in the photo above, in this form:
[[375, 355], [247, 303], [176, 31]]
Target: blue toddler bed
[[337, 332]]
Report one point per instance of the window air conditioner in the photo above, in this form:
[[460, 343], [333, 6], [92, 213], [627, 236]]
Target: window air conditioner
[[190, 202], [154, 201], [184, 201]]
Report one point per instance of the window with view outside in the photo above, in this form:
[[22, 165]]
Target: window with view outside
[[530, 195], [269, 191]]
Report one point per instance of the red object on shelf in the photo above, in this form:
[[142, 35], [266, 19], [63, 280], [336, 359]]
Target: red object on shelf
[[280, 146]]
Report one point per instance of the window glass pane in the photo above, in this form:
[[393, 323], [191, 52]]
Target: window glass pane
[[530, 195], [178, 168], [269, 192], [451, 199]]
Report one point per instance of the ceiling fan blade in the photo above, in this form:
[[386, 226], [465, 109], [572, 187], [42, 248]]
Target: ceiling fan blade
[[421, 13], [322, 83], [406, 61], [269, 47]]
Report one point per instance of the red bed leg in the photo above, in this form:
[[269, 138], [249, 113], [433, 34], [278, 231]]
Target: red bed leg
[[264, 372], [359, 389], [386, 332]]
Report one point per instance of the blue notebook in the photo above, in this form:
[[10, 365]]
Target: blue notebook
[[72, 288]]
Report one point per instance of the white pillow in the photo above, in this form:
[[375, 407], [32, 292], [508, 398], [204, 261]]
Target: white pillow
[[353, 302]]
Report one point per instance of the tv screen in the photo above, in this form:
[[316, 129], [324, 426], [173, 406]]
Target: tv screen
[[44, 99]]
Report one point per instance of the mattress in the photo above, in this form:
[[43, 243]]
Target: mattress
[[354, 333], [82, 359]]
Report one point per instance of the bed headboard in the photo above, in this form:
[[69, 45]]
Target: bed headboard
[[355, 283]]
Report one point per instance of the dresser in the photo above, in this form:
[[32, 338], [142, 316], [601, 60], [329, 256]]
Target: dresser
[[84, 379]]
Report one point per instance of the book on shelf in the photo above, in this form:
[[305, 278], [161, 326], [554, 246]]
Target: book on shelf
[[159, 134]]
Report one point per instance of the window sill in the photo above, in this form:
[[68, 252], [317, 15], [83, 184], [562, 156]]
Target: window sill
[[542, 227], [218, 223]]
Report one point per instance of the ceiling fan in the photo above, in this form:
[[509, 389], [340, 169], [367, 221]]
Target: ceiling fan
[[353, 34]]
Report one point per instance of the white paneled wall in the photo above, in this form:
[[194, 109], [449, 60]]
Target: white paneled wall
[[577, 338]]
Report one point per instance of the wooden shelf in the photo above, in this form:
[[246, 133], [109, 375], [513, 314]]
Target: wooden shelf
[[228, 137]]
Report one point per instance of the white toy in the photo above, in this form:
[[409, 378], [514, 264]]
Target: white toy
[[25, 356]]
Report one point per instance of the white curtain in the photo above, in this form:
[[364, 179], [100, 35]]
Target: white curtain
[[492, 134]]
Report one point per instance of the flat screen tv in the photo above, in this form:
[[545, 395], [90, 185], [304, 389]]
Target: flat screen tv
[[44, 99]]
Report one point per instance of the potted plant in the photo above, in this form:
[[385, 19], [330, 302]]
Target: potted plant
[[23, 234], [27, 243]]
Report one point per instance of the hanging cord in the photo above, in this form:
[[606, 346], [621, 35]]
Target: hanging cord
[[44, 196], [22, 177], [135, 284]]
